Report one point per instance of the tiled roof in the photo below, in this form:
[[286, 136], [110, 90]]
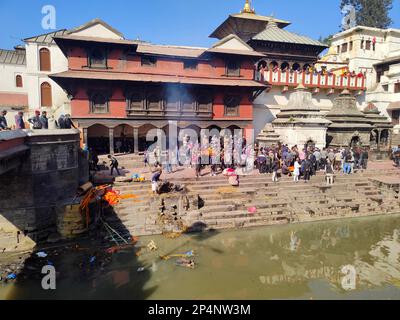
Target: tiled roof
[[136, 77], [13, 57], [47, 37], [275, 34], [188, 52]]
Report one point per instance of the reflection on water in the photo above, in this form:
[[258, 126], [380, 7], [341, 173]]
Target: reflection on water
[[283, 262]]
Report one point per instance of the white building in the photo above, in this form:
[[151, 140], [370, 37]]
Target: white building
[[13, 87], [25, 84], [377, 53]]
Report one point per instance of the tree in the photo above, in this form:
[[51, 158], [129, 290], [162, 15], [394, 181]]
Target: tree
[[371, 13], [327, 40]]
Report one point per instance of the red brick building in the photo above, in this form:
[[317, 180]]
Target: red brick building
[[120, 89]]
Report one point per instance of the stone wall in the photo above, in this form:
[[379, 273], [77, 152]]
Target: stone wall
[[48, 175]]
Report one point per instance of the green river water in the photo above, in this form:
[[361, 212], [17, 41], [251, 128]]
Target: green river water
[[281, 262]]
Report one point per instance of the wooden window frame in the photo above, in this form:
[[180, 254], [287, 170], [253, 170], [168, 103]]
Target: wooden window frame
[[228, 73], [208, 102], [19, 83], [397, 87], [41, 64], [153, 61], [229, 101], [190, 64], [106, 95], [42, 99], [97, 66]]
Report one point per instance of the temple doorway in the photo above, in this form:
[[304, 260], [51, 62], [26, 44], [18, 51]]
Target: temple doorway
[[355, 142], [98, 138]]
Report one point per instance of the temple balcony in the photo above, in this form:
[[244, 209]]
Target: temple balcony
[[287, 79]]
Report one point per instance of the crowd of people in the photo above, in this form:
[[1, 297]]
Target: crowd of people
[[306, 162], [309, 70], [299, 163], [37, 122]]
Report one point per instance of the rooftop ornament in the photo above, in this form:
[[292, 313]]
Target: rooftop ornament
[[247, 8]]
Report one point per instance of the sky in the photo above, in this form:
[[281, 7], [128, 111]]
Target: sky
[[174, 22]]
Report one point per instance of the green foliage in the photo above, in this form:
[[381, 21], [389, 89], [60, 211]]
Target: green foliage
[[371, 13], [327, 40]]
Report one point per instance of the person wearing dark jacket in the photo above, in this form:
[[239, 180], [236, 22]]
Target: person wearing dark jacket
[[68, 122], [35, 121], [365, 156], [61, 122], [44, 120], [306, 169], [113, 164], [275, 168], [3, 120]]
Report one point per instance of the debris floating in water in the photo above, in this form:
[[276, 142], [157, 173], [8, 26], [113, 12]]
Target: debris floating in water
[[41, 254]]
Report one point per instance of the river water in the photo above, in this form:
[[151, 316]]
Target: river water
[[342, 259]]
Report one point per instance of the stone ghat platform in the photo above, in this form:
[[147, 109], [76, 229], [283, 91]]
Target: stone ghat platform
[[213, 204]]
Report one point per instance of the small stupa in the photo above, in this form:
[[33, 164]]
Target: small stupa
[[268, 137], [349, 125], [301, 122]]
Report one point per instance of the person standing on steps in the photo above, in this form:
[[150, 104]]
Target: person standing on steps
[[329, 173], [296, 172], [113, 164], [155, 178], [306, 169], [275, 168]]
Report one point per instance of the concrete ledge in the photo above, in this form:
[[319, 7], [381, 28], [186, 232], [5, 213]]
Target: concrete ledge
[[12, 134]]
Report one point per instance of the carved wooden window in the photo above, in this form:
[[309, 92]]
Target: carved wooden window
[[172, 100], [154, 101], [135, 101], [99, 103], [190, 64], [18, 81], [148, 61], [368, 45], [344, 47], [187, 103], [44, 60], [204, 102], [45, 95], [232, 104], [232, 68], [97, 58]]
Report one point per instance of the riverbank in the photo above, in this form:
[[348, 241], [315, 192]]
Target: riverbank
[[298, 261]]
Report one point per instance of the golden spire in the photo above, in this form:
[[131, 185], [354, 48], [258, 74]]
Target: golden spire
[[247, 8]]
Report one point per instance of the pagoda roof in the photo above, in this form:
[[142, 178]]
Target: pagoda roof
[[245, 25], [273, 33]]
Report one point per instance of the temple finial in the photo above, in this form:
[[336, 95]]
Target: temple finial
[[247, 8]]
